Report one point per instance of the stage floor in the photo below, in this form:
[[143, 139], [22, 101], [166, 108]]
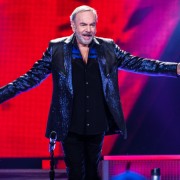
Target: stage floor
[[110, 166], [30, 174]]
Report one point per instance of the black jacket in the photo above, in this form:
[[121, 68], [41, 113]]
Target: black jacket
[[57, 60]]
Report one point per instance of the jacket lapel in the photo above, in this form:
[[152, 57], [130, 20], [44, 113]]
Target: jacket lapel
[[101, 54], [67, 62], [101, 59], [67, 54]]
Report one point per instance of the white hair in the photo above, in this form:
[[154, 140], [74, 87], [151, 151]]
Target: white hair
[[82, 9]]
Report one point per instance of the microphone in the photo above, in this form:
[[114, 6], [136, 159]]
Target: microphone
[[52, 143]]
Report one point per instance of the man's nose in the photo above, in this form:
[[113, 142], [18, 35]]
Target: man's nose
[[88, 29]]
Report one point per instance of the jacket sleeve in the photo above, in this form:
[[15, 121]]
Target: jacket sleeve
[[39, 71], [141, 65]]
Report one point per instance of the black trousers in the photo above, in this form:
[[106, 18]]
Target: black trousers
[[82, 155]]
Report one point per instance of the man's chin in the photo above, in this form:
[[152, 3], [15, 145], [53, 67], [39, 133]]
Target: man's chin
[[87, 42]]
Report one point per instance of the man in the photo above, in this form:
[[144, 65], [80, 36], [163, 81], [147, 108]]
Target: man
[[85, 101]]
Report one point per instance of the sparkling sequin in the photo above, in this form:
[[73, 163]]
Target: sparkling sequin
[[57, 60]]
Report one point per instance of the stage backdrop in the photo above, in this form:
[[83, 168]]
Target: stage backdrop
[[151, 104]]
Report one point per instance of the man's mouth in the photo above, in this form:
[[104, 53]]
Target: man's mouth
[[87, 36]]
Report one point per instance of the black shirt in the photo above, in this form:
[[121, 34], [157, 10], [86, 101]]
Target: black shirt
[[89, 115]]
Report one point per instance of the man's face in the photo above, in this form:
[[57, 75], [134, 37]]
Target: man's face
[[84, 27]]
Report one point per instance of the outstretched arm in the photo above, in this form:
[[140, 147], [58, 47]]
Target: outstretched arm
[[147, 66], [32, 78]]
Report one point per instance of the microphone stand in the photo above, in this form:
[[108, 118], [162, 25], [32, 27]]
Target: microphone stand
[[52, 172], [52, 144]]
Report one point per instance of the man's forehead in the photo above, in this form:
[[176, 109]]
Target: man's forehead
[[85, 16]]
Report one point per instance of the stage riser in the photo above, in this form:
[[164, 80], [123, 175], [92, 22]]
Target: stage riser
[[169, 166]]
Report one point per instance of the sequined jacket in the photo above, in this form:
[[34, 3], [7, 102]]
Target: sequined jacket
[[57, 60]]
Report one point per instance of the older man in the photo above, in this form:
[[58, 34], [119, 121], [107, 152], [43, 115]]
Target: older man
[[85, 101]]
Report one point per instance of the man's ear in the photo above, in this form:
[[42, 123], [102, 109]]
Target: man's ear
[[73, 26]]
